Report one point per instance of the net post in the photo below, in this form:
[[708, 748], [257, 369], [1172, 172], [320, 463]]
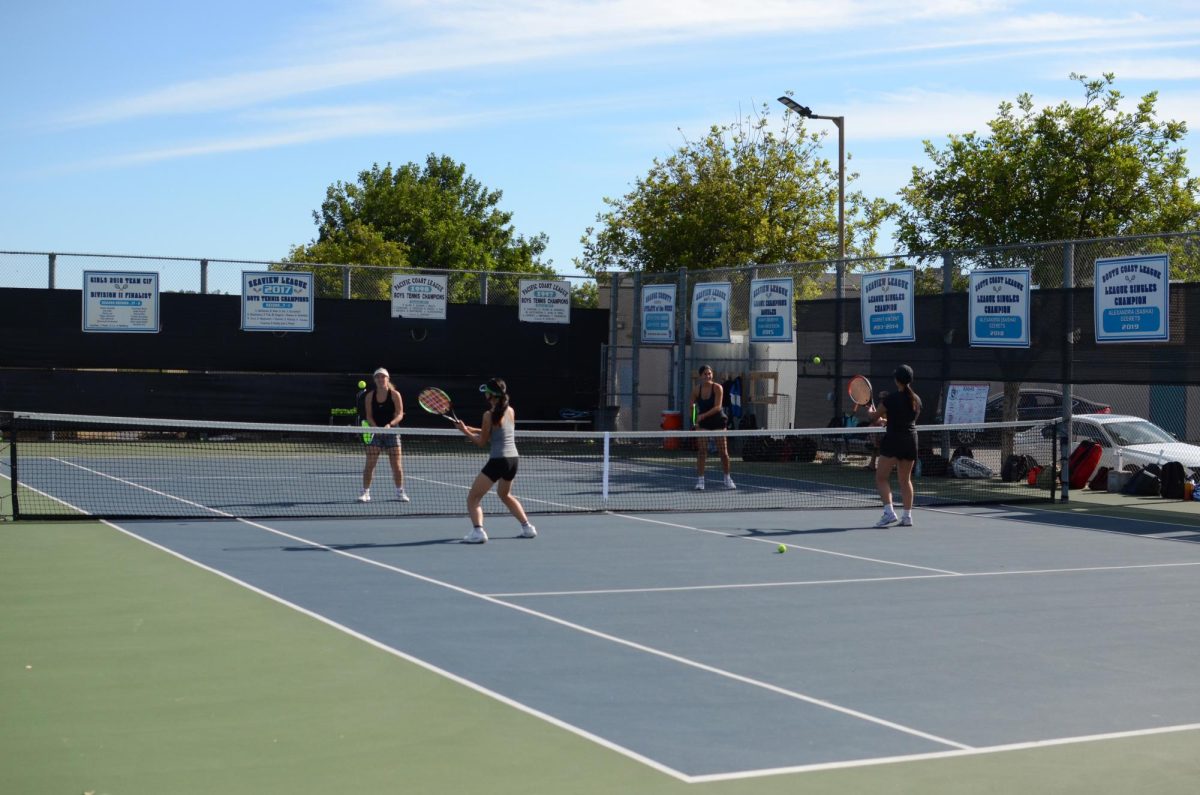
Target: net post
[[1053, 459], [604, 469], [8, 422]]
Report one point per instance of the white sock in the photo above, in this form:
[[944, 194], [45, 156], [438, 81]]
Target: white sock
[[908, 512]]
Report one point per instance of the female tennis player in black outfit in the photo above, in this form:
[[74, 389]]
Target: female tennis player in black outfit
[[710, 415], [898, 448]]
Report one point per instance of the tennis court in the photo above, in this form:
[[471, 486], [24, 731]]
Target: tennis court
[[648, 652]]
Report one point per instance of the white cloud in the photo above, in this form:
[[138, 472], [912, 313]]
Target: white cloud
[[399, 39]]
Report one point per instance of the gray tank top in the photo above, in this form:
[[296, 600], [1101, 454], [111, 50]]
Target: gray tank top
[[504, 441]]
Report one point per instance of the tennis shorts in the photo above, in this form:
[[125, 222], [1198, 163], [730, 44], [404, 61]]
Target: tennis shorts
[[902, 445], [714, 423], [385, 440], [500, 468]]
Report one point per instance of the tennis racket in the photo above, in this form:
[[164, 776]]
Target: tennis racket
[[367, 437], [860, 390], [435, 401]]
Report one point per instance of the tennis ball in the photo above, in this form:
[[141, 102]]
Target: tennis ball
[[816, 360], [781, 548], [362, 384]]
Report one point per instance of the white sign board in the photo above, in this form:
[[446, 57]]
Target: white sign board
[[887, 306], [1132, 299], [965, 403], [710, 312], [771, 310], [544, 301], [999, 308], [277, 301], [120, 301], [658, 314], [419, 297]]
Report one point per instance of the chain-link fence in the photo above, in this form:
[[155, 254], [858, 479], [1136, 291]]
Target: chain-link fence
[[801, 384], [224, 277]]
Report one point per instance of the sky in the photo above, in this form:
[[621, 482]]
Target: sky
[[214, 129]]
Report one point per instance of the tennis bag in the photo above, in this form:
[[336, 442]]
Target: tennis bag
[[1083, 461], [966, 467], [1146, 482], [962, 452], [1016, 467], [1100, 481], [1173, 477]]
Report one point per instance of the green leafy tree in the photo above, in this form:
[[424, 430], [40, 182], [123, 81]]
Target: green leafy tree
[[1060, 173], [1065, 172], [434, 216], [743, 194]]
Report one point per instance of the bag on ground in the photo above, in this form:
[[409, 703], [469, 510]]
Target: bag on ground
[[965, 467], [1083, 461], [1173, 478]]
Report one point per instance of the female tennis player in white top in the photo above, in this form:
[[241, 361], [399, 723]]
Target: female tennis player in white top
[[497, 430]]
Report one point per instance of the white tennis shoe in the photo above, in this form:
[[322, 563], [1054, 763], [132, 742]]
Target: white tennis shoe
[[528, 531], [365, 496], [889, 517], [476, 536], [729, 483], [906, 521], [401, 494], [699, 484]]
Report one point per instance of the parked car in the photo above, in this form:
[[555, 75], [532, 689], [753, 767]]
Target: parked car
[[1136, 441], [1032, 404]]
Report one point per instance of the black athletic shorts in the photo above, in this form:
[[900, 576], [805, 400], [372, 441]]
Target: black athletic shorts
[[715, 422], [501, 468], [902, 445]]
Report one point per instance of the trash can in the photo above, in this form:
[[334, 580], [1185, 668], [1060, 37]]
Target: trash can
[[671, 421]]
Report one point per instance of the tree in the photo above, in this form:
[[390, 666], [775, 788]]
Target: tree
[[743, 194], [431, 217], [1061, 173]]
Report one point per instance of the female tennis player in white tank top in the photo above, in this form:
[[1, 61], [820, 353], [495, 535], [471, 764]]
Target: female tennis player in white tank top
[[497, 431]]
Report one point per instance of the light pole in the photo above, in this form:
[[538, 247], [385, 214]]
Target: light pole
[[840, 270]]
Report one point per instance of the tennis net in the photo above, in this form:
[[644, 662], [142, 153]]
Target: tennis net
[[64, 466]]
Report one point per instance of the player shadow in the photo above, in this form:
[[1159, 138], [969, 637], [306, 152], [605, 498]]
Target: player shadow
[[349, 547], [754, 532]]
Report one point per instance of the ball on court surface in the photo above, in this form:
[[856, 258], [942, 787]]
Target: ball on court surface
[[816, 360], [362, 384], [781, 548]]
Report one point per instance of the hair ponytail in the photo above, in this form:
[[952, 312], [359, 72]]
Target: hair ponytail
[[498, 389]]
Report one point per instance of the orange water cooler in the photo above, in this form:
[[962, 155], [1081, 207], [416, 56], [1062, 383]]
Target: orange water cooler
[[671, 421]]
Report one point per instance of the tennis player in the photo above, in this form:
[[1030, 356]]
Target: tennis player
[[898, 448], [385, 409], [707, 408], [497, 430]]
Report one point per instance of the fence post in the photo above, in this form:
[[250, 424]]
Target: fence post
[[203, 277], [1068, 372], [483, 288], [949, 269], [614, 305], [346, 280], [684, 304], [635, 352], [53, 261]]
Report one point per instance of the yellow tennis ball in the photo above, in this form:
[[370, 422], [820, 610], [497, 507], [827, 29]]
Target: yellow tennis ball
[[781, 548], [816, 360], [362, 384]]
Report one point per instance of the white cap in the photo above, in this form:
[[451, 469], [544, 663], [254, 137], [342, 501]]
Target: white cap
[[381, 371]]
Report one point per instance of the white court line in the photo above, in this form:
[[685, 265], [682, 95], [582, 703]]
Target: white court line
[[727, 534], [845, 581]]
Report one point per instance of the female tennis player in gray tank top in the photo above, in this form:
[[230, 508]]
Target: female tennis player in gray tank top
[[497, 431]]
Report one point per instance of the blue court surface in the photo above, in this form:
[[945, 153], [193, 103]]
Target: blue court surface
[[689, 643]]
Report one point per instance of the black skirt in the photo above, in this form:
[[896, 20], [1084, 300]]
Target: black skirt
[[901, 445]]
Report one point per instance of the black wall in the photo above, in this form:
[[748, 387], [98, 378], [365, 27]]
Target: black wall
[[217, 371]]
